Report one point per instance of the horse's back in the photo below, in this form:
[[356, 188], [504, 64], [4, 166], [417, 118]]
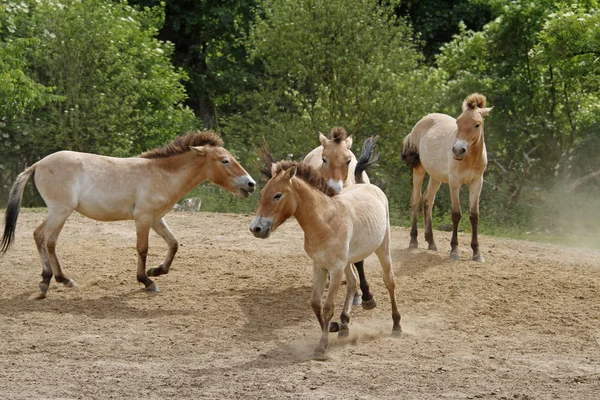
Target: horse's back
[[433, 136]]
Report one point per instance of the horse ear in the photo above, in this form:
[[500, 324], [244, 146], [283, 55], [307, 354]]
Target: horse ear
[[198, 149], [485, 111], [290, 173], [349, 141], [323, 139], [273, 169]]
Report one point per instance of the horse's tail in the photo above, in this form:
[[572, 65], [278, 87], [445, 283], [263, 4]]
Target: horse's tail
[[410, 152], [13, 208], [367, 158], [265, 160]]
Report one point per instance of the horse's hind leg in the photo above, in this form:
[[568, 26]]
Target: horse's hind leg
[[49, 236], [385, 259], [428, 199], [456, 215], [335, 280], [161, 228], [368, 301], [38, 236], [415, 202]]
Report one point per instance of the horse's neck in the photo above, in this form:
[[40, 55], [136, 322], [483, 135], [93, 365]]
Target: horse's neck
[[185, 171], [313, 210], [477, 149]]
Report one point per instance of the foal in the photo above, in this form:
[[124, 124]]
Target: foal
[[453, 151], [339, 229], [143, 189]]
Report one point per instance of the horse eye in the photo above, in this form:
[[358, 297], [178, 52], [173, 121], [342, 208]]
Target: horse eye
[[277, 196], [225, 161], [348, 162], [477, 125], [324, 160]]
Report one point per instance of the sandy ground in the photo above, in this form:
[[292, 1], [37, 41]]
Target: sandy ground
[[233, 320]]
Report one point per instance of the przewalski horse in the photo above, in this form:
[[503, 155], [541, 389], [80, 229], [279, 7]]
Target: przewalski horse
[[339, 229], [143, 189], [336, 163], [451, 151]]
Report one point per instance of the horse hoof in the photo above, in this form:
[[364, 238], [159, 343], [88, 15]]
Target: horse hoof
[[369, 304], [335, 327], [397, 333], [152, 288], [70, 283], [454, 257], [40, 296], [319, 355], [413, 245], [357, 301], [478, 258], [343, 333], [433, 247]]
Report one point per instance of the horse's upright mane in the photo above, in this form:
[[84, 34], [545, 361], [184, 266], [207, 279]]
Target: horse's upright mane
[[182, 144], [475, 100], [338, 134], [307, 174]]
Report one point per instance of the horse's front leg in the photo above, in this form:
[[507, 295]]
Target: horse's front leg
[[162, 229], [335, 280], [142, 227], [342, 327], [474, 193], [368, 301], [319, 281], [456, 215]]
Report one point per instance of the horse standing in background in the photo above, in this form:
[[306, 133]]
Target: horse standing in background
[[339, 229], [450, 151], [336, 163], [143, 189]]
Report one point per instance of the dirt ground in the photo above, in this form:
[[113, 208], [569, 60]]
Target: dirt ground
[[233, 319]]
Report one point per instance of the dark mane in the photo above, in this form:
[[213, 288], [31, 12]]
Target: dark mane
[[338, 134], [308, 174], [475, 100], [182, 144]]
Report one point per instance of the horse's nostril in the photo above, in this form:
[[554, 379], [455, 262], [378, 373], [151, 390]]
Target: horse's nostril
[[257, 229], [463, 151], [251, 184]]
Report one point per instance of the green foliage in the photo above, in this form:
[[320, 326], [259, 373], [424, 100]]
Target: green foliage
[[116, 91]]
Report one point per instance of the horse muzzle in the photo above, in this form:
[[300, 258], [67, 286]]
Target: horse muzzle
[[245, 185], [459, 150], [261, 227], [336, 185]]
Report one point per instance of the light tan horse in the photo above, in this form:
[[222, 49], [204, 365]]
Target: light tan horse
[[339, 229], [143, 189], [334, 159], [336, 163], [451, 151]]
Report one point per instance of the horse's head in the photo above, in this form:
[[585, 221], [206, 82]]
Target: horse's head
[[223, 169], [336, 157], [278, 202], [470, 125]]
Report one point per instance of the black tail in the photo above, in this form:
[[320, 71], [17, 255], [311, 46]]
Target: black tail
[[266, 160], [13, 208], [367, 158], [410, 154]]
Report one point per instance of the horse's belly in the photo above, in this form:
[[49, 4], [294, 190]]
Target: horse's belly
[[103, 209]]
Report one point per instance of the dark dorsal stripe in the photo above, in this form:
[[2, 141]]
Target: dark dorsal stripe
[[182, 144]]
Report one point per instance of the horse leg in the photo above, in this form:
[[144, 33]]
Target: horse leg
[[456, 215], [162, 229], [40, 242], [415, 202], [342, 327], [368, 301], [335, 280], [357, 299], [142, 227], [385, 259], [48, 236], [474, 193], [428, 199], [319, 281]]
